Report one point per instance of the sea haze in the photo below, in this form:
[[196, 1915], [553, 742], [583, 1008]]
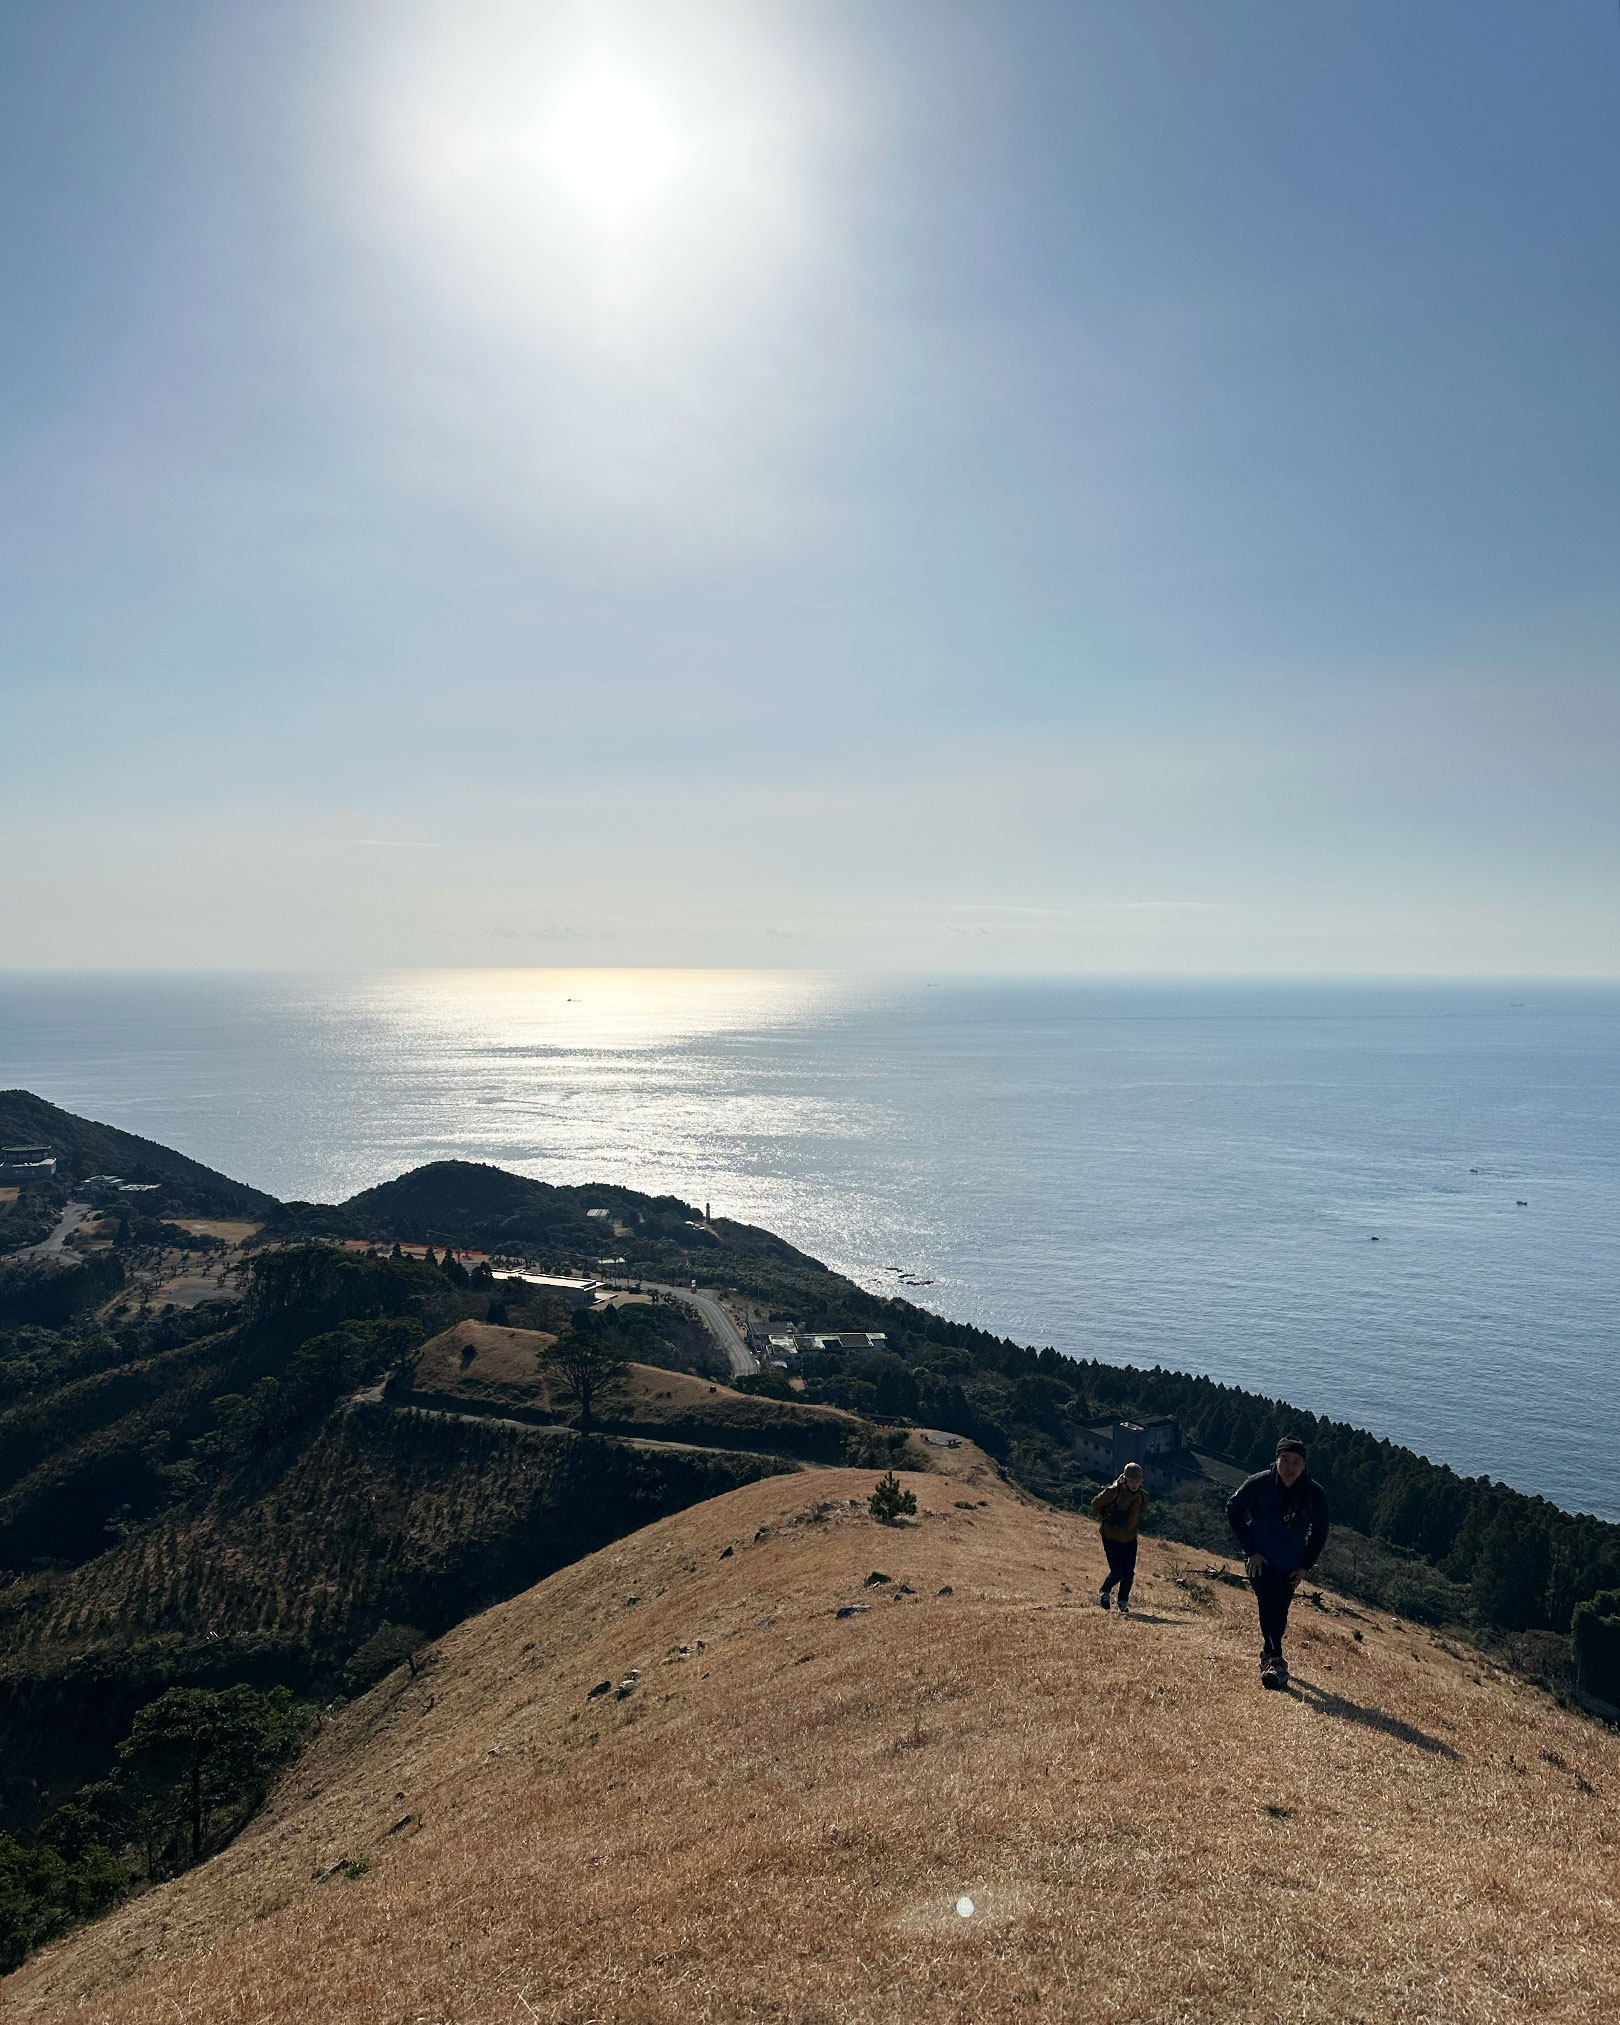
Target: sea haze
[[1186, 1174]]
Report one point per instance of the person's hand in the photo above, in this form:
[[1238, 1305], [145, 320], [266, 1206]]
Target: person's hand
[[1254, 1566]]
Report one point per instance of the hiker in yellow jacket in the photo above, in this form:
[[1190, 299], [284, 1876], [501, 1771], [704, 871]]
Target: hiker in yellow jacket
[[1120, 1509]]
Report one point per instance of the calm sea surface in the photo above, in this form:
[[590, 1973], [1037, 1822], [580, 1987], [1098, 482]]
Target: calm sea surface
[[1181, 1174]]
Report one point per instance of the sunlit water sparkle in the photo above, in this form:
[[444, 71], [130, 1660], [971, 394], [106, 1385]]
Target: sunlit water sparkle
[[1182, 1174]]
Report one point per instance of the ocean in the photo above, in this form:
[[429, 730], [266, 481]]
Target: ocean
[[1395, 1203]]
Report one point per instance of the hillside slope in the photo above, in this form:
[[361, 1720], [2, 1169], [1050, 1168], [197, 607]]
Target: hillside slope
[[84, 1147], [479, 1367], [779, 1817], [471, 1203]]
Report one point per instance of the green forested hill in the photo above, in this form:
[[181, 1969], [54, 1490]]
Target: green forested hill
[[464, 1202], [82, 1147]]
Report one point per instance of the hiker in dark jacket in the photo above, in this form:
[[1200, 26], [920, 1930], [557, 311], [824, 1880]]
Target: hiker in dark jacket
[[1120, 1510], [1280, 1517]]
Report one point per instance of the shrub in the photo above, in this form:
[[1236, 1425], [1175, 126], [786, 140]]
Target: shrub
[[43, 1892], [764, 1385], [888, 1501]]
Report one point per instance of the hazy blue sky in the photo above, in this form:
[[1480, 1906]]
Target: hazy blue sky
[[1119, 486]]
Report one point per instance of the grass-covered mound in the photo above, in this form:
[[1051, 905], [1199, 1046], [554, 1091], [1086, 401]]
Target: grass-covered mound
[[673, 1782], [482, 1368]]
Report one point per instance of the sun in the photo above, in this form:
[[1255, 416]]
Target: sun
[[611, 143]]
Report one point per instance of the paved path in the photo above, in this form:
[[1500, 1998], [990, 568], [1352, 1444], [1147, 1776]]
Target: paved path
[[720, 1325], [67, 1224]]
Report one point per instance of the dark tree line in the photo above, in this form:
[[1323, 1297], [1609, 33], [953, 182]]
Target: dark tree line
[[196, 1764]]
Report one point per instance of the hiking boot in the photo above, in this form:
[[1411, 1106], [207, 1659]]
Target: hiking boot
[[1281, 1679], [1124, 1608], [1102, 1598], [1273, 1674]]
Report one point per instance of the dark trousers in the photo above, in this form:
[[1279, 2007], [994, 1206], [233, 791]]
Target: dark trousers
[[1121, 1567], [1273, 1592]]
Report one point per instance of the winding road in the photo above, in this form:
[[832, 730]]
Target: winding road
[[719, 1324], [50, 1247]]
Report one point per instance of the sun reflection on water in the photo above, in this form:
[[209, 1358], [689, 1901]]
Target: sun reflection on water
[[508, 1012]]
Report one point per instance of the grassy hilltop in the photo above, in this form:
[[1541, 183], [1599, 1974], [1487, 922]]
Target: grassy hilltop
[[673, 1783]]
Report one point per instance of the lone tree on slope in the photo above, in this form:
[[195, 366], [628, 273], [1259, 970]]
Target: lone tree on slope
[[589, 1362]]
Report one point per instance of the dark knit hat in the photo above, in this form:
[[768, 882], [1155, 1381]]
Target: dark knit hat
[[1291, 1445]]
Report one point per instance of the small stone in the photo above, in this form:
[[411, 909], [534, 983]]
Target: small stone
[[854, 1610], [602, 1687], [631, 1599], [876, 1577], [946, 1591], [726, 1553], [905, 1589]]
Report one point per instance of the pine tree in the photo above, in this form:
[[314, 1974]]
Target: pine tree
[[888, 1501]]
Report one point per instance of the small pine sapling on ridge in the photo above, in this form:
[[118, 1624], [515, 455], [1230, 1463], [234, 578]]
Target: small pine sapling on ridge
[[888, 1501]]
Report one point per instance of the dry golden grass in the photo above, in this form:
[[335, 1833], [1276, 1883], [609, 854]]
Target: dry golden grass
[[504, 1369], [230, 1230], [778, 1821]]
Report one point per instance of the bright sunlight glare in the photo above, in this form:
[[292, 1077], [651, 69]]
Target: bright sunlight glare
[[611, 143]]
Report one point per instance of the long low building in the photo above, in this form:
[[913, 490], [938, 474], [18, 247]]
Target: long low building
[[577, 1293]]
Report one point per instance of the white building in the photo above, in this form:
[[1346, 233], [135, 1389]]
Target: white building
[[577, 1293], [20, 1165]]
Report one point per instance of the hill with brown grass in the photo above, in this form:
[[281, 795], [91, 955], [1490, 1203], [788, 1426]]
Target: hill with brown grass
[[483, 1367], [716, 1771]]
